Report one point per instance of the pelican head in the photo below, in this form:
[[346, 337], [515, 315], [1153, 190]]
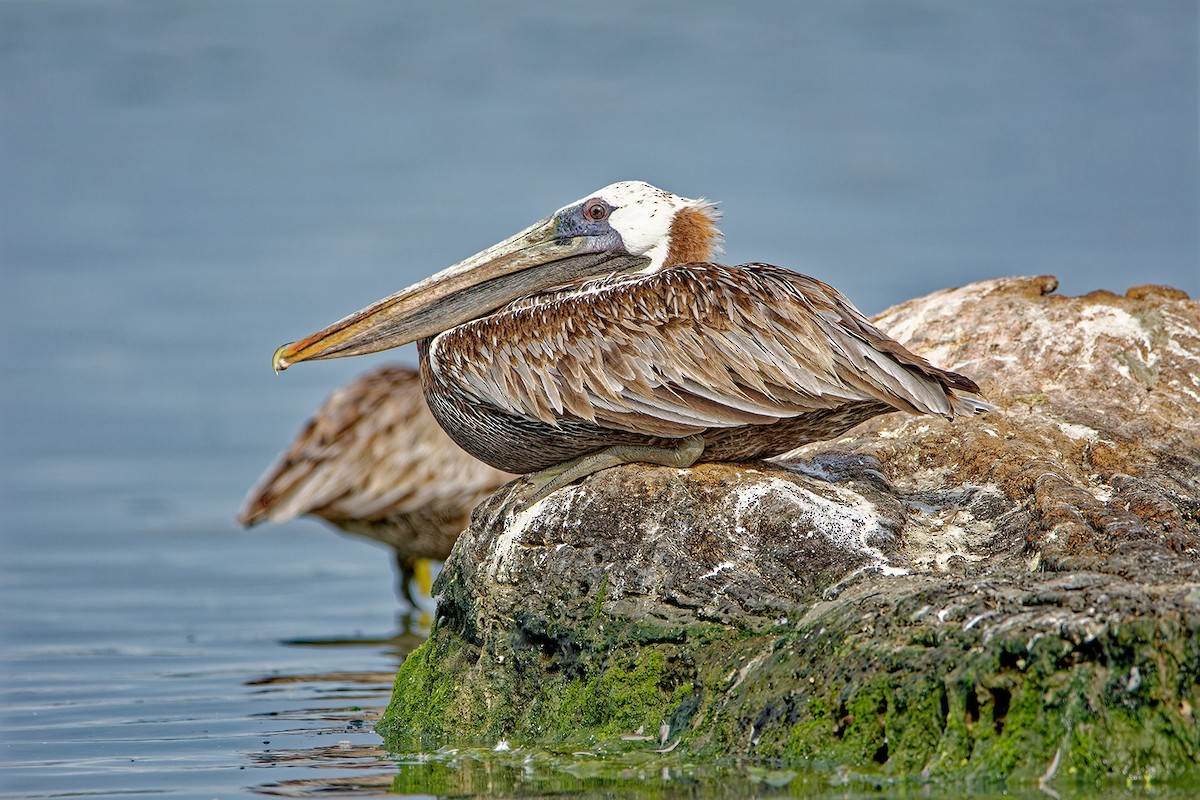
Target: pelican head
[[629, 226]]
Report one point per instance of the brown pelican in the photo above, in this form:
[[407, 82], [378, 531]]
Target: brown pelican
[[604, 334], [374, 463]]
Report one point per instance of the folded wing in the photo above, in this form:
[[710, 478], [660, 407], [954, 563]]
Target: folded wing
[[686, 349]]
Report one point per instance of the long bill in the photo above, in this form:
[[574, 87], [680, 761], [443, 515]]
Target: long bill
[[531, 261]]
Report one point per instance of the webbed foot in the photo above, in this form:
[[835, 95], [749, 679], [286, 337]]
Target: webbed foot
[[684, 454]]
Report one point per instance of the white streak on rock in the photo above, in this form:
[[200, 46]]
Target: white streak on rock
[[718, 569], [1081, 432], [848, 520]]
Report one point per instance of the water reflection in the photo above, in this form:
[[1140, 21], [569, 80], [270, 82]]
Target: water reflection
[[639, 775], [340, 706], [412, 628], [374, 784]]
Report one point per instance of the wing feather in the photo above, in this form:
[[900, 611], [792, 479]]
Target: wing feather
[[372, 451], [685, 349]]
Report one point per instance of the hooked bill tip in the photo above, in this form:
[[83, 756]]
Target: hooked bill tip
[[278, 362]]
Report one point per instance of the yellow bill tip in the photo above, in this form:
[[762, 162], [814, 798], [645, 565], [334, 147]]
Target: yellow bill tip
[[278, 361]]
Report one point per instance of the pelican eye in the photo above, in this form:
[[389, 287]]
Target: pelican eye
[[596, 209]]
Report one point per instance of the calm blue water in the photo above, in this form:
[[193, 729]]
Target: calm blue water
[[184, 186]]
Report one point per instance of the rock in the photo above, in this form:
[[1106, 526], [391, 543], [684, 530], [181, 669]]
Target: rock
[[1100, 431], [1016, 596]]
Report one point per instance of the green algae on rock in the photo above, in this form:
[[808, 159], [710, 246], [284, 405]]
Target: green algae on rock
[[1013, 597]]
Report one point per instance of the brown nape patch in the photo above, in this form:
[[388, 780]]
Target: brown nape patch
[[694, 236]]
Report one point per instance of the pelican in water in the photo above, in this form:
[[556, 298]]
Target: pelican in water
[[372, 462], [605, 334]]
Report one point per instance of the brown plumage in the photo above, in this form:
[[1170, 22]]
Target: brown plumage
[[605, 334], [755, 359], [372, 462]]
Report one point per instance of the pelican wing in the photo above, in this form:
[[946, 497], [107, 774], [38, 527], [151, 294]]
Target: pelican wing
[[371, 452], [686, 349]]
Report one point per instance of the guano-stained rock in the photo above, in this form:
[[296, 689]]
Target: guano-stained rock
[[1015, 596]]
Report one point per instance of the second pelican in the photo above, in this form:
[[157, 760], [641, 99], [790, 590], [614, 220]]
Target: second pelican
[[605, 334]]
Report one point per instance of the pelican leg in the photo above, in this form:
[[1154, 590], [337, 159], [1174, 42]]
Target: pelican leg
[[684, 454], [406, 567], [423, 575]]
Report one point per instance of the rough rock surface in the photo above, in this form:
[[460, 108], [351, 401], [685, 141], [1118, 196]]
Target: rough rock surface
[[1016, 595]]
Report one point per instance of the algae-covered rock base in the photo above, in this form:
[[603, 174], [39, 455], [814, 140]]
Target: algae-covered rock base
[[1013, 597]]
